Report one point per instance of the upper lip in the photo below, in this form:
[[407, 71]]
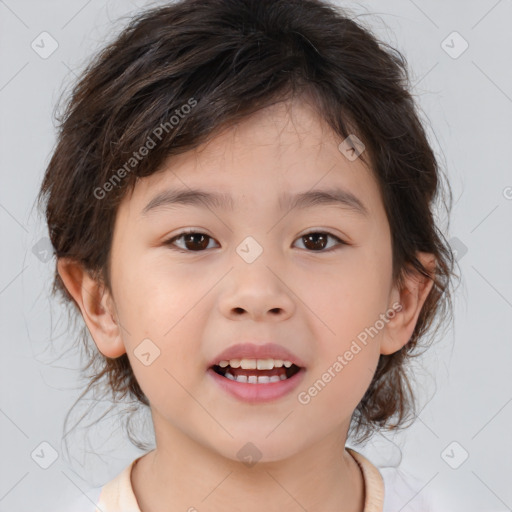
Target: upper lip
[[253, 351]]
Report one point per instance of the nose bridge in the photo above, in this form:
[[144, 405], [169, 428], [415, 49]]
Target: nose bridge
[[256, 285]]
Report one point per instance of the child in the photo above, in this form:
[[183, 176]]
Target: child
[[280, 136]]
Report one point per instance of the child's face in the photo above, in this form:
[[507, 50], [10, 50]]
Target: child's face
[[193, 305]]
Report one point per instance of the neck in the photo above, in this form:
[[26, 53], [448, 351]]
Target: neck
[[181, 474]]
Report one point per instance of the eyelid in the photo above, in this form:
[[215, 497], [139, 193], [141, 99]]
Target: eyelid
[[325, 231]]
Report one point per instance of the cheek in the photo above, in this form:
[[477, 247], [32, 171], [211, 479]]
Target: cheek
[[347, 386], [350, 302], [349, 297], [154, 295], [165, 316], [346, 362], [160, 303], [338, 382]]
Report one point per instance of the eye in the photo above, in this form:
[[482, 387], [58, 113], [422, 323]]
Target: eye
[[192, 240], [196, 241], [316, 240]]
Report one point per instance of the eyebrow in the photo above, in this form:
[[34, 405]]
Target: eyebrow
[[215, 200]]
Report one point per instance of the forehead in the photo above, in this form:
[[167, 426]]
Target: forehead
[[269, 158]]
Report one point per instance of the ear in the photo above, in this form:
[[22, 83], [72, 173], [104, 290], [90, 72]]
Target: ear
[[96, 305], [412, 296]]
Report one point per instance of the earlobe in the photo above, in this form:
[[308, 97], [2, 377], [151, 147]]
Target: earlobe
[[96, 306], [412, 296]]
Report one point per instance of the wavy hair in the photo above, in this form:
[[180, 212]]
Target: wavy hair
[[234, 57]]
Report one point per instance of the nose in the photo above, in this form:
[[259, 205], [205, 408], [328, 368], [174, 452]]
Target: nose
[[259, 293]]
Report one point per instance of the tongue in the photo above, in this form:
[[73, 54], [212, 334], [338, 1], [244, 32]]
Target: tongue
[[259, 373]]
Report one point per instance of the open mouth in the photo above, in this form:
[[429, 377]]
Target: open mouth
[[255, 376]]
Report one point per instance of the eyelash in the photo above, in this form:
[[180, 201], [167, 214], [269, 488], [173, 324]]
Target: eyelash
[[189, 231]]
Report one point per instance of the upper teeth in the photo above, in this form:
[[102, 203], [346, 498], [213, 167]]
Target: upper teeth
[[253, 364]]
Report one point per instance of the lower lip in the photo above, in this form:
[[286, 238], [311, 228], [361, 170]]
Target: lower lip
[[257, 393]]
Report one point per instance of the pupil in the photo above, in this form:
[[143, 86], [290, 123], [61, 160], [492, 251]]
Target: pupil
[[190, 236], [315, 237]]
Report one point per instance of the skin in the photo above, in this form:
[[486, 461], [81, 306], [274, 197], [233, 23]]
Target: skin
[[193, 305]]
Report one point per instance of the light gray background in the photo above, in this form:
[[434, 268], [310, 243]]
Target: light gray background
[[465, 380]]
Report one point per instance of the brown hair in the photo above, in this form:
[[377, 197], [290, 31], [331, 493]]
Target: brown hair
[[226, 59]]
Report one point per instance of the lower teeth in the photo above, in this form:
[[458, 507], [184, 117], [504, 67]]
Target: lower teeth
[[254, 379]]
